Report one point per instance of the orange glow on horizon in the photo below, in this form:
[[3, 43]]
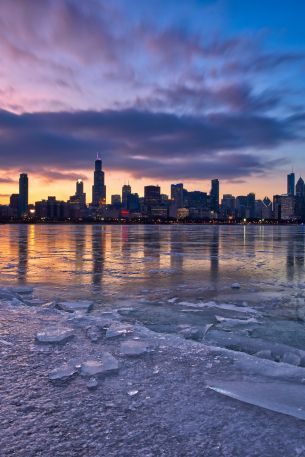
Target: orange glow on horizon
[[40, 188]]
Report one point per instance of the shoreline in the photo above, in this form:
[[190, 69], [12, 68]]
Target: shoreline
[[154, 223], [157, 403]]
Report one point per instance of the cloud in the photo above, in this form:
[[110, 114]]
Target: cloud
[[70, 54], [143, 143], [6, 180], [55, 175], [161, 91], [201, 98]]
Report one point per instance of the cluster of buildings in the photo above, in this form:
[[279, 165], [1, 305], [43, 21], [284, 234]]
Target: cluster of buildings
[[181, 205]]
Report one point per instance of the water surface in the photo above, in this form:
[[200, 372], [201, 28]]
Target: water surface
[[168, 274]]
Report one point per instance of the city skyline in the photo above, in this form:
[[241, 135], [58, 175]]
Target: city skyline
[[38, 192], [153, 205], [184, 91], [97, 190]]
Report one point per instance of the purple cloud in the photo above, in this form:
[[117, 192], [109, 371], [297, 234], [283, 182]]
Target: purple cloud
[[144, 143]]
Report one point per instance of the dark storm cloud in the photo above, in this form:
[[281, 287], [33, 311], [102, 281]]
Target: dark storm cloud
[[146, 144]]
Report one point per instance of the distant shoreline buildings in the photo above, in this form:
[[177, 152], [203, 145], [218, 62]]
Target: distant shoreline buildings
[[153, 206]]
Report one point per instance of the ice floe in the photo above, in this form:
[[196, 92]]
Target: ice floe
[[54, 335], [63, 373], [73, 306], [118, 329], [134, 348], [108, 364], [285, 398]]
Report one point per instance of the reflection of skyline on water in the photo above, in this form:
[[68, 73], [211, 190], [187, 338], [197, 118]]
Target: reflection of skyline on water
[[23, 248], [110, 260]]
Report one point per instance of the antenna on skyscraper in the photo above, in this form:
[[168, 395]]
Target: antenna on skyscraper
[[98, 157]]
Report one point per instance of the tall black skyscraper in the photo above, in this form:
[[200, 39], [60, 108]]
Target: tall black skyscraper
[[79, 187], [300, 188], [214, 195], [98, 188], [126, 190], [23, 193], [177, 195], [290, 183], [152, 196]]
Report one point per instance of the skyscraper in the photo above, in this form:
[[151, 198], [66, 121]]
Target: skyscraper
[[80, 196], [267, 208], [214, 195], [300, 188], [290, 184], [126, 190], [23, 193], [250, 205], [300, 199], [152, 196], [79, 187], [177, 195], [98, 188], [116, 200]]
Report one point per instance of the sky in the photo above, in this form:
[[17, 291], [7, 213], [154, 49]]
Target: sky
[[176, 91]]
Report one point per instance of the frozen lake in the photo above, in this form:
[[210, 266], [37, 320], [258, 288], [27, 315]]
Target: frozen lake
[[186, 315], [168, 275]]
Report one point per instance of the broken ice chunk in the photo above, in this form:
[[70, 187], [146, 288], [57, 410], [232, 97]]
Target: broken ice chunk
[[191, 333], [291, 359], [63, 373], [264, 354], [118, 329], [55, 335], [92, 384], [133, 392], [16, 302], [285, 398], [107, 365], [23, 290], [73, 306], [93, 333], [134, 348]]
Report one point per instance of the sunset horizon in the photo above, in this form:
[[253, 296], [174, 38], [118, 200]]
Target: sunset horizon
[[162, 97]]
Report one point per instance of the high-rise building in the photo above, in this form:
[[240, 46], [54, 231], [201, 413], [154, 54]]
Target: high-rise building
[[241, 206], [14, 205], [133, 203], [80, 194], [250, 205], [177, 195], [228, 205], [126, 190], [267, 208], [152, 196], [277, 207], [300, 188], [98, 188], [288, 207], [116, 200], [79, 187], [214, 195], [290, 183], [300, 199], [23, 193]]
